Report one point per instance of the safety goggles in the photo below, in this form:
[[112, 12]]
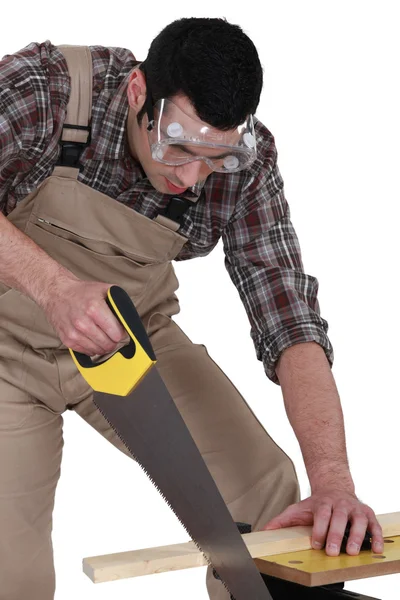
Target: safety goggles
[[177, 139]]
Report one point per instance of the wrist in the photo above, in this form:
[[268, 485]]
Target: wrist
[[333, 476], [51, 283]]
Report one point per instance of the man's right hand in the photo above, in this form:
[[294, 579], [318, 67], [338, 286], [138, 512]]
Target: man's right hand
[[79, 314], [76, 309]]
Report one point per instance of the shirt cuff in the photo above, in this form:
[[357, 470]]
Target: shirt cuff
[[269, 350]]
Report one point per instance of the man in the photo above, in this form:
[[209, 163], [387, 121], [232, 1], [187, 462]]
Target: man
[[180, 125]]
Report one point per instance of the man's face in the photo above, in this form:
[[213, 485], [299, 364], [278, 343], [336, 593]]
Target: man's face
[[164, 178]]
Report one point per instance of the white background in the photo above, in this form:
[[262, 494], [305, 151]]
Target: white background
[[331, 98]]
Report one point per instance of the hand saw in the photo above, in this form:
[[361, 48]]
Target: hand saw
[[131, 395]]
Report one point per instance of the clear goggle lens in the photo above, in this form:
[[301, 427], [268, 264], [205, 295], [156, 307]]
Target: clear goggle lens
[[177, 139]]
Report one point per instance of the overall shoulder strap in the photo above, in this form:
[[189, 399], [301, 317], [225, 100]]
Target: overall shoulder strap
[[76, 130]]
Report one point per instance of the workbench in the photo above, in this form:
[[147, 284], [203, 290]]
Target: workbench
[[284, 557]]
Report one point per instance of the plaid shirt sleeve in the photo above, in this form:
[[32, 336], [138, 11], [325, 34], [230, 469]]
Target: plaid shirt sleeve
[[263, 259]]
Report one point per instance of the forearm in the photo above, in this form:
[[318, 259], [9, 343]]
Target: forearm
[[24, 265], [313, 407]]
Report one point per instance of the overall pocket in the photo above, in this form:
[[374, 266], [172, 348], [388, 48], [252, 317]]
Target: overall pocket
[[95, 259]]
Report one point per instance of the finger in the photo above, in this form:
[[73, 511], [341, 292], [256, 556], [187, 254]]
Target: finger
[[322, 517], [84, 346], [93, 336], [376, 531], [109, 323], [359, 524], [77, 341], [337, 527]]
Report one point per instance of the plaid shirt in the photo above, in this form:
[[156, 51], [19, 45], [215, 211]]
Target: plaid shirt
[[248, 209]]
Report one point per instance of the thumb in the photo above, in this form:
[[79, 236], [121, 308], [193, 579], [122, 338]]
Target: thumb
[[275, 523], [284, 519]]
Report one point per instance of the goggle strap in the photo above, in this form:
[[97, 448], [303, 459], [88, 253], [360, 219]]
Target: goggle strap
[[149, 99]]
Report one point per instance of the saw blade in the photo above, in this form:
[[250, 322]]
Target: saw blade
[[152, 428]]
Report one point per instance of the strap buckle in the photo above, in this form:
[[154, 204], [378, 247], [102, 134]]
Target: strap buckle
[[176, 208], [71, 152]]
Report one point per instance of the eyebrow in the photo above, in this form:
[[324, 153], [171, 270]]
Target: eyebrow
[[185, 149]]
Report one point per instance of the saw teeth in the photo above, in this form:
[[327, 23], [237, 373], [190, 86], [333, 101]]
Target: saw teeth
[[162, 495]]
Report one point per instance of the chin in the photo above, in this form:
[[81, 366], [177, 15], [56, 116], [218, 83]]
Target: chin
[[157, 183], [161, 186]]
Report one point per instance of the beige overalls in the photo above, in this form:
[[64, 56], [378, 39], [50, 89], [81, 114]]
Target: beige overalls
[[100, 239]]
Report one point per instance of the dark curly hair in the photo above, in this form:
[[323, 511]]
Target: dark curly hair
[[210, 61]]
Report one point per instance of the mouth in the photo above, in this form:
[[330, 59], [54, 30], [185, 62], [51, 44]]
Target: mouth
[[174, 188]]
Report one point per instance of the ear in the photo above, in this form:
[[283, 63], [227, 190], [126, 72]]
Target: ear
[[136, 90]]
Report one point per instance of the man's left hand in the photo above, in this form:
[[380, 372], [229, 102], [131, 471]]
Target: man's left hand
[[329, 510]]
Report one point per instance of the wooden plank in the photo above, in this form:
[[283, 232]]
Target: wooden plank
[[122, 565], [111, 567], [314, 567]]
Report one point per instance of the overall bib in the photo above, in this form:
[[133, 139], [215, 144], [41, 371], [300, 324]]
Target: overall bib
[[100, 239]]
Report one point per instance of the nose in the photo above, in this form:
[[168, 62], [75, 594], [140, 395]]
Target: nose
[[189, 174]]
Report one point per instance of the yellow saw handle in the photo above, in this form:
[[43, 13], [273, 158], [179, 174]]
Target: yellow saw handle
[[124, 370]]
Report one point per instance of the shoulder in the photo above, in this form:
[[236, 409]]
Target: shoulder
[[236, 184], [262, 179], [110, 66], [32, 80], [33, 67], [266, 151], [41, 65], [261, 171]]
